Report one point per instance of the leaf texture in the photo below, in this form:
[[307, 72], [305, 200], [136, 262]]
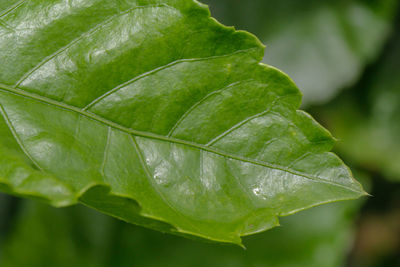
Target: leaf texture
[[152, 112]]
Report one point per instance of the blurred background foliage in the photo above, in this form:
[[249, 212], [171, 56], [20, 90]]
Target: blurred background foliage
[[345, 57], [323, 45]]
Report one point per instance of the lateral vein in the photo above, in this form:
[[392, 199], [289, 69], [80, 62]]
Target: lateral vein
[[112, 124]]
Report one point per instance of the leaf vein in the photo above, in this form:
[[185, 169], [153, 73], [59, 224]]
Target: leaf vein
[[79, 38], [12, 8], [17, 138], [150, 178], [166, 66], [241, 123], [112, 124], [299, 159], [198, 103]]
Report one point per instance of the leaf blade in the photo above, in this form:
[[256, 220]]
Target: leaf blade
[[178, 144]]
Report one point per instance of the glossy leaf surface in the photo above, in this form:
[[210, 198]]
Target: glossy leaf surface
[[154, 113]]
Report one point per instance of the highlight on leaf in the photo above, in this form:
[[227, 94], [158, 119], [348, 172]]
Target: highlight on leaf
[[154, 113]]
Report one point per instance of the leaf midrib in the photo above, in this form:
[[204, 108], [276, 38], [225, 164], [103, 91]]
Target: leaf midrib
[[149, 135]]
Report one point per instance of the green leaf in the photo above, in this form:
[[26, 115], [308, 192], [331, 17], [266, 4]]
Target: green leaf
[[152, 112], [323, 45]]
